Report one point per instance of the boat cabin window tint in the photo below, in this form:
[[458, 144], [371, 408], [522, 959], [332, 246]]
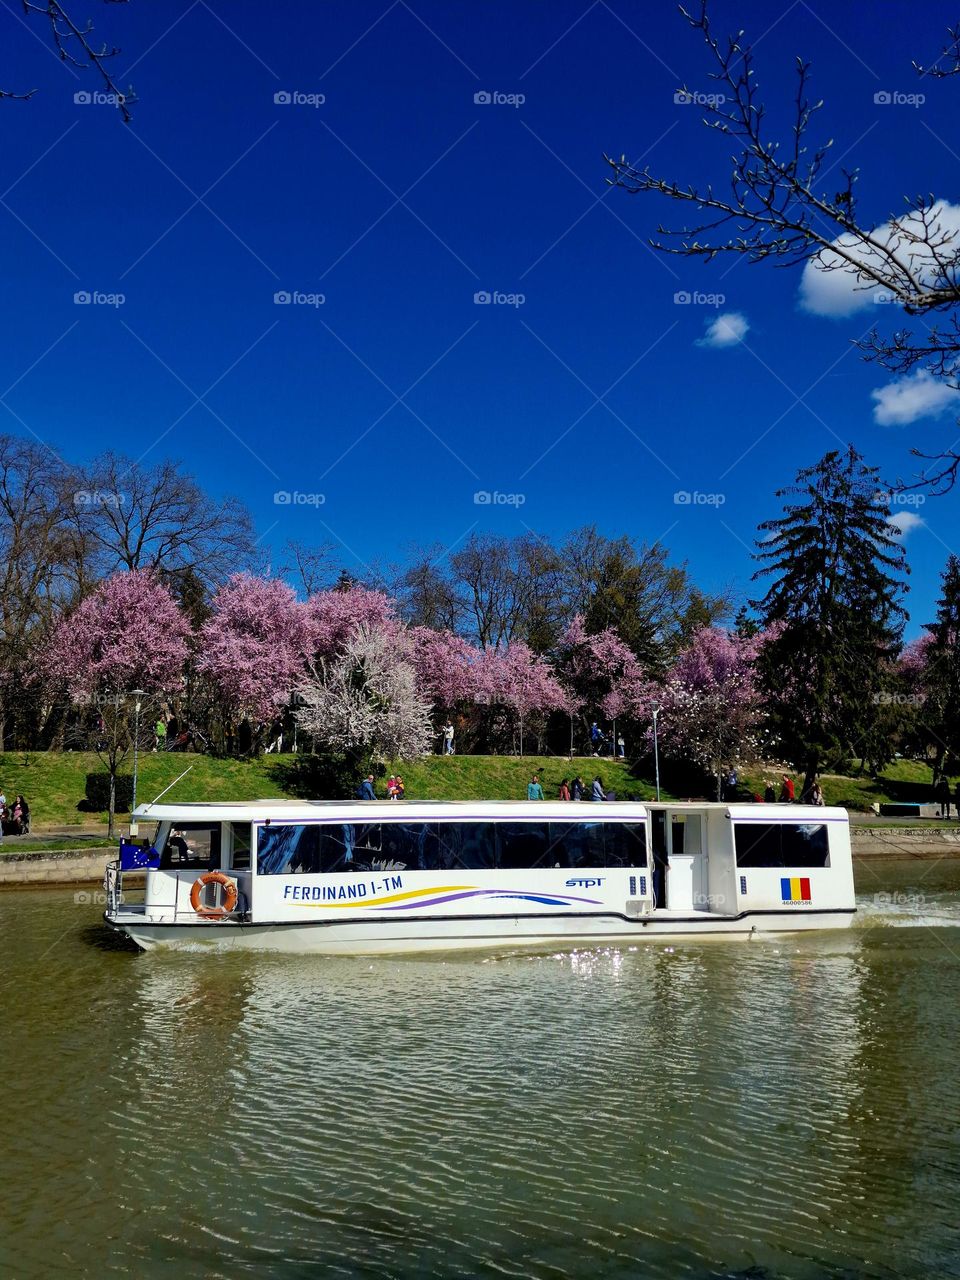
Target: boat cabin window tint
[[291, 849], [781, 844], [625, 844], [526, 844], [239, 846], [468, 846], [191, 845]]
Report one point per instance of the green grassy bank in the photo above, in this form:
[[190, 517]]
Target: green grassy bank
[[54, 782]]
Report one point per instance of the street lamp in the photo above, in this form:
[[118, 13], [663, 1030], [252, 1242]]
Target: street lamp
[[656, 753], [138, 694]]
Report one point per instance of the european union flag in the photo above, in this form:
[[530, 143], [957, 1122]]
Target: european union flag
[[133, 857]]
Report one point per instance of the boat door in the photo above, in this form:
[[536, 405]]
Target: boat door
[[679, 860]]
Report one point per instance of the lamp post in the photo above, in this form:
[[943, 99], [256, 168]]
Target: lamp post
[[137, 694], [656, 753]]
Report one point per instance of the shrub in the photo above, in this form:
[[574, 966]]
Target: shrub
[[98, 792]]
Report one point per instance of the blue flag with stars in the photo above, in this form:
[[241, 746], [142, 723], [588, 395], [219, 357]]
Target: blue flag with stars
[[133, 857]]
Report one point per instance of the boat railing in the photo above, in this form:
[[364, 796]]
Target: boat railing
[[113, 886]]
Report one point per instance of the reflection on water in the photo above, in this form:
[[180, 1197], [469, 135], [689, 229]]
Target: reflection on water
[[778, 1108]]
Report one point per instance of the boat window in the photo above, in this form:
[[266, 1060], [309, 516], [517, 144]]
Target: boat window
[[191, 845], [468, 845], [625, 844], [685, 832], [239, 845], [286, 849], [289, 849], [781, 844], [528, 844]]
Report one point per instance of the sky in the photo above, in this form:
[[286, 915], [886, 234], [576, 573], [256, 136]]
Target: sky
[[359, 265]]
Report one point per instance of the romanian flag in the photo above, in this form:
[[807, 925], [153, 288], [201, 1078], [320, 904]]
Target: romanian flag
[[795, 889]]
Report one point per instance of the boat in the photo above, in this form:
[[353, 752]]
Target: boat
[[386, 877]]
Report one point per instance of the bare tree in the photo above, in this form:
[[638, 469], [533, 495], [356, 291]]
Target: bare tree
[[41, 571], [73, 44], [313, 569], [778, 204], [136, 517]]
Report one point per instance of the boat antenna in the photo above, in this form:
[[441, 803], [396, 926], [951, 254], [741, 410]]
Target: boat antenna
[[166, 789]]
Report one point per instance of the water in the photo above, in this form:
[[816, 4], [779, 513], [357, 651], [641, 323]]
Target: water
[[781, 1108]]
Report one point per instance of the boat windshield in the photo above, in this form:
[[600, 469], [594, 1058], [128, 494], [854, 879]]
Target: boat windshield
[[191, 845]]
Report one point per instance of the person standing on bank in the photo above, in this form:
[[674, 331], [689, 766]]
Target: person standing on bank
[[564, 790], [366, 791], [576, 791], [943, 796], [596, 791], [448, 739], [534, 789]]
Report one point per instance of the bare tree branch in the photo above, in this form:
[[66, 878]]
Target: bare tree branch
[[73, 45]]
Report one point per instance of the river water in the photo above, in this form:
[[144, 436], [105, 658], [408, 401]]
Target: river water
[[778, 1108]]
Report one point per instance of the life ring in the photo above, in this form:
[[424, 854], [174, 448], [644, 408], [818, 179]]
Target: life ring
[[229, 902]]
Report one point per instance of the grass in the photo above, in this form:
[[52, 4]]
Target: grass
[[54, 782]]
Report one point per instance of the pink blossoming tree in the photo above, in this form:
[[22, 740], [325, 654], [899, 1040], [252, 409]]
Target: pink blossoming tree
[[128, 635], [253, 648], [712, 710], [520, 680]]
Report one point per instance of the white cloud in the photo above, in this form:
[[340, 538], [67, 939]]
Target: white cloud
[[725, 331], [904, 522], [837, 292], [918, 395]]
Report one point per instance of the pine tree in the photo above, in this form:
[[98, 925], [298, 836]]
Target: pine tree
[[833, 610], [940, 715]]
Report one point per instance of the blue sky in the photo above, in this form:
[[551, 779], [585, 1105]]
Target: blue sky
[[398, 198]]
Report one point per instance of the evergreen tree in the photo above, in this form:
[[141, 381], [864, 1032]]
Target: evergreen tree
[[832, 610], [939, 718]]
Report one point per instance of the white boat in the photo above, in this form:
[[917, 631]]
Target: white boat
[[371, 877]]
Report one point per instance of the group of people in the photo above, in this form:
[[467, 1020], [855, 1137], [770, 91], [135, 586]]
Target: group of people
[[598, 742], [570, 790], [14, 818], [395, 788], [788, 793]]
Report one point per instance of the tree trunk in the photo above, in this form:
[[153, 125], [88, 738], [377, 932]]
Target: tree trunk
[[810, 773], [113, 801]]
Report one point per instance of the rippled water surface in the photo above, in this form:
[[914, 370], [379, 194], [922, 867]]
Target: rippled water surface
[[782, 1108]]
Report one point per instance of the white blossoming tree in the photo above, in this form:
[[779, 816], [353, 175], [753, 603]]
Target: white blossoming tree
[[365, 700]]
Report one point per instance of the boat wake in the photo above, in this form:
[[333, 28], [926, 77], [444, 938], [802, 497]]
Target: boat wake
[[906, 911]]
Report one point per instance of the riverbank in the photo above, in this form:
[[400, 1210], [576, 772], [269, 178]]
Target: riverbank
[[53, 867]]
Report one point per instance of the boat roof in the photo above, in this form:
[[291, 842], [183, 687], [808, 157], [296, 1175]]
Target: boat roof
[[251, 810]]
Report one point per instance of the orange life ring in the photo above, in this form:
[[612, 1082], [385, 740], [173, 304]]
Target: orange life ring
[[229, 902]]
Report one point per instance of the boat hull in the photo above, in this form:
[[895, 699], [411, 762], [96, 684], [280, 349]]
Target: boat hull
[[372, 937]]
